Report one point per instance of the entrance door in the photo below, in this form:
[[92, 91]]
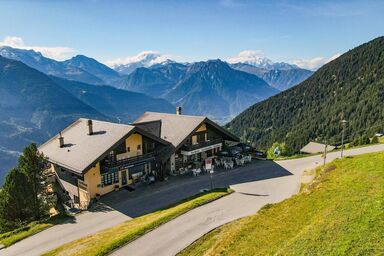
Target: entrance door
[[124, 177]]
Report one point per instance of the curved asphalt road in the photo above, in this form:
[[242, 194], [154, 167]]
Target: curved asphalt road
[[255, 185], [175, 235]]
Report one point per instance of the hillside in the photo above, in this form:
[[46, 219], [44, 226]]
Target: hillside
[[121, 105], [32, 109], [350, 87], [340, 213]]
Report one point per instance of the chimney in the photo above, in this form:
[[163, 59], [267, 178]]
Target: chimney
[[90, 127], [178, 111], [61, 140]]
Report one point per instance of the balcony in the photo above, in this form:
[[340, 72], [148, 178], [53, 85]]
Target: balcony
[[202, 146], [110, 166], [130, 161]]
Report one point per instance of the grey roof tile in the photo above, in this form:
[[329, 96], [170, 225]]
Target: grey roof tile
[[174, 128], [81, 149]]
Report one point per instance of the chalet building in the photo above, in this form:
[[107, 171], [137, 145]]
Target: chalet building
[[194, 137], [91, 158]]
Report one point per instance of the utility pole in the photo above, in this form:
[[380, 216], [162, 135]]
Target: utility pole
[[325, 152], [342, 137], [211, 178]]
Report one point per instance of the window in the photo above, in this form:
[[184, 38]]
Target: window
[[194, 139], [128, 149], [138, 147], [200, 137], [109, 178]]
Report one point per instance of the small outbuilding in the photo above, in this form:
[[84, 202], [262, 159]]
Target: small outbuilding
[[314, 147]]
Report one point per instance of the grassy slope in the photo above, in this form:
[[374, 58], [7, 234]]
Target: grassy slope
[[103, 242], [14, 236], [341, 213]]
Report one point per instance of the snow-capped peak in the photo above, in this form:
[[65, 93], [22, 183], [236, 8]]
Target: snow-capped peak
[[143, 59], [19, 54], [257, 59], [254, 58]]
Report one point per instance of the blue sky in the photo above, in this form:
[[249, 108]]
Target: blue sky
[[194, 30]]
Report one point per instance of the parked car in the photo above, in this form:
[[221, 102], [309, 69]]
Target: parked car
[[245, 147], [229, 152], [259, 154]]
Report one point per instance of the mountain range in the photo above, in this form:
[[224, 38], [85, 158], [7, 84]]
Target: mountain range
[[279, 76], [350, 87], [181, 84], [79, 68], [209, 88], [256, 59], [35, 107], [40, 96], [144, 59], [213, 88], [213, 83]]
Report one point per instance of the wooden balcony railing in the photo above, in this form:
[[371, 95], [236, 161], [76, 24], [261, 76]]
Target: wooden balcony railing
[[126, 162], [203, 144]]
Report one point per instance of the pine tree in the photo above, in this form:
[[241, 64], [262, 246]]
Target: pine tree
[[23, 197], [32, 164], [15, 200]]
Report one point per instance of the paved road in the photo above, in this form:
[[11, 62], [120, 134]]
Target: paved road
[[249, 197], [257, 184]]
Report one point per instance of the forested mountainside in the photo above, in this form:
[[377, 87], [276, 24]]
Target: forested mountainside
[[350, 87]]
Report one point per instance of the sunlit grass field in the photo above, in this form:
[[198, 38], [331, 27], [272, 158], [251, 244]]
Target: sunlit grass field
[[340, 213], [103, 242]]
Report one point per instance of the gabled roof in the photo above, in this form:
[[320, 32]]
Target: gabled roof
[[176, 128], [81, 151], [153, 127]]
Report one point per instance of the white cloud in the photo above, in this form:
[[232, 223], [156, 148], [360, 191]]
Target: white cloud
[[57, 53], [148, 58], [314, 63]]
